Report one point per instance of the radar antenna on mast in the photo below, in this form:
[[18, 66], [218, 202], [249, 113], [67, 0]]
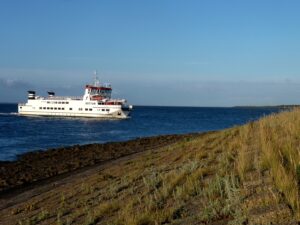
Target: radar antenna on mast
[[96, 79]]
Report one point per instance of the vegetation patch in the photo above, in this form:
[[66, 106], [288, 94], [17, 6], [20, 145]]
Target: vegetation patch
[[243, 175]]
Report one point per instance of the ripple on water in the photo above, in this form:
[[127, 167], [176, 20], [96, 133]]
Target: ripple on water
[[19, 134]]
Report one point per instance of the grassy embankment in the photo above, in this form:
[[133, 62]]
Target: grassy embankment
[[247, 174]]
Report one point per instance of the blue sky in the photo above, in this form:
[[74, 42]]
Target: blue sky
[[158, 52]]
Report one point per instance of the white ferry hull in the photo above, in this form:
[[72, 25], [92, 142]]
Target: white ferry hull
[[123, 115], [73, 109], [96, 103]]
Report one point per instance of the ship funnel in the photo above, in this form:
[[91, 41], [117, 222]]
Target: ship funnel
[[31, 94], [51, 93]]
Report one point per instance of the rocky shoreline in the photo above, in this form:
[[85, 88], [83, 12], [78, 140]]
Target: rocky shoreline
[[40, 165]]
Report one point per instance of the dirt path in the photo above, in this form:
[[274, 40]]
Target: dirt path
[[17, 196], [40, 165]]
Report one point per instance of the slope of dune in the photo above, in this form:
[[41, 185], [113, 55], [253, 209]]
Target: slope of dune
[[243, 175]]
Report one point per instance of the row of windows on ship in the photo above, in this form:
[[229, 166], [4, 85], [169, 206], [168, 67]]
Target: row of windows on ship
[[87, 103], [57, 102], [79, 109]]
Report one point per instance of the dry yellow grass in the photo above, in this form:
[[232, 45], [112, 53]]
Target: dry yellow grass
[[276, 139], [280, 144]]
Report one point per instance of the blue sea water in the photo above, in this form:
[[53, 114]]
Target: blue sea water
[[19, 134]]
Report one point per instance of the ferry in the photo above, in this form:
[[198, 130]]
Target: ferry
[[96, 102]]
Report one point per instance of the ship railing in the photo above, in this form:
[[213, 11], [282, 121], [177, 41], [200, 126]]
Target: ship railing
[[22, 104], [106, 85], [117, 100]]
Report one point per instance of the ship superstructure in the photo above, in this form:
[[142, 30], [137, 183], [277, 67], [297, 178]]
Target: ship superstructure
[[96, 102]]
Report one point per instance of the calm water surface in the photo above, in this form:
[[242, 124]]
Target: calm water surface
[[20, 134]]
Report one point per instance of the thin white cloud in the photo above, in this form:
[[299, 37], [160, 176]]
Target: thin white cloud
[[191, 63], [13, 83]]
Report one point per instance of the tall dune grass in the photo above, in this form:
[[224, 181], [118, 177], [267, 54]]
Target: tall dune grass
[[272, 143], [280, 145]]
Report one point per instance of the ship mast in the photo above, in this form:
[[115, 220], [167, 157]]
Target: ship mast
[[96, 79]]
